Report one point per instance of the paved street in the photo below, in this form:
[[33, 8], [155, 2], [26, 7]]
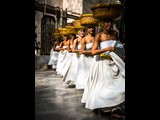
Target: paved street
[[54, 101]]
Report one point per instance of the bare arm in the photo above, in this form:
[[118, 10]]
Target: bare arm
[[60, 46], [75, 43], [95, 49], [54, 46], [68, 46]]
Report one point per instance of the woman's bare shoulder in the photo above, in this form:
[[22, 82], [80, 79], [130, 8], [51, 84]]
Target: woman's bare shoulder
[[98, 35], [76, 39]]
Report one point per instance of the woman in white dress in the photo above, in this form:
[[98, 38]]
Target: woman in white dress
[[54, 54], [69, 54], [105, 89], [70, 77], [70, 42], [63, 56], [86, 58]]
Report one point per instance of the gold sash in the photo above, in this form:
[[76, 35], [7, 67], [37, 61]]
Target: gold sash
[[102, 55]]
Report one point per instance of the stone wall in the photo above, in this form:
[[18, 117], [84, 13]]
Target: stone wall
[[39, 15], [74, 6]]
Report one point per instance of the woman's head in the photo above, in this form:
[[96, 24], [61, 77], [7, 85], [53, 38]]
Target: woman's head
[[72, 36], [81, 32], [65, 36], [91, 29], [107, 24]]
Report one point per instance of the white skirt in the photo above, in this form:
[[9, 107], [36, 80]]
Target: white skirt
[[61, 60], [105, 85], [72, 71], [83, 68], [53, 58], [66, 64]]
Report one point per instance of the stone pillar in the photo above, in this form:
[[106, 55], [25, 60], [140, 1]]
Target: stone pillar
[[64, 18]]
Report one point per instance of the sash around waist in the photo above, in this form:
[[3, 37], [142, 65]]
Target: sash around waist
[[105, 56]]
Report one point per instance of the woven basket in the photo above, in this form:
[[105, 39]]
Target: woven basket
[[63, 31], [56, 33], [103, 11], [77, 24], [88, 19], [71, 30]]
